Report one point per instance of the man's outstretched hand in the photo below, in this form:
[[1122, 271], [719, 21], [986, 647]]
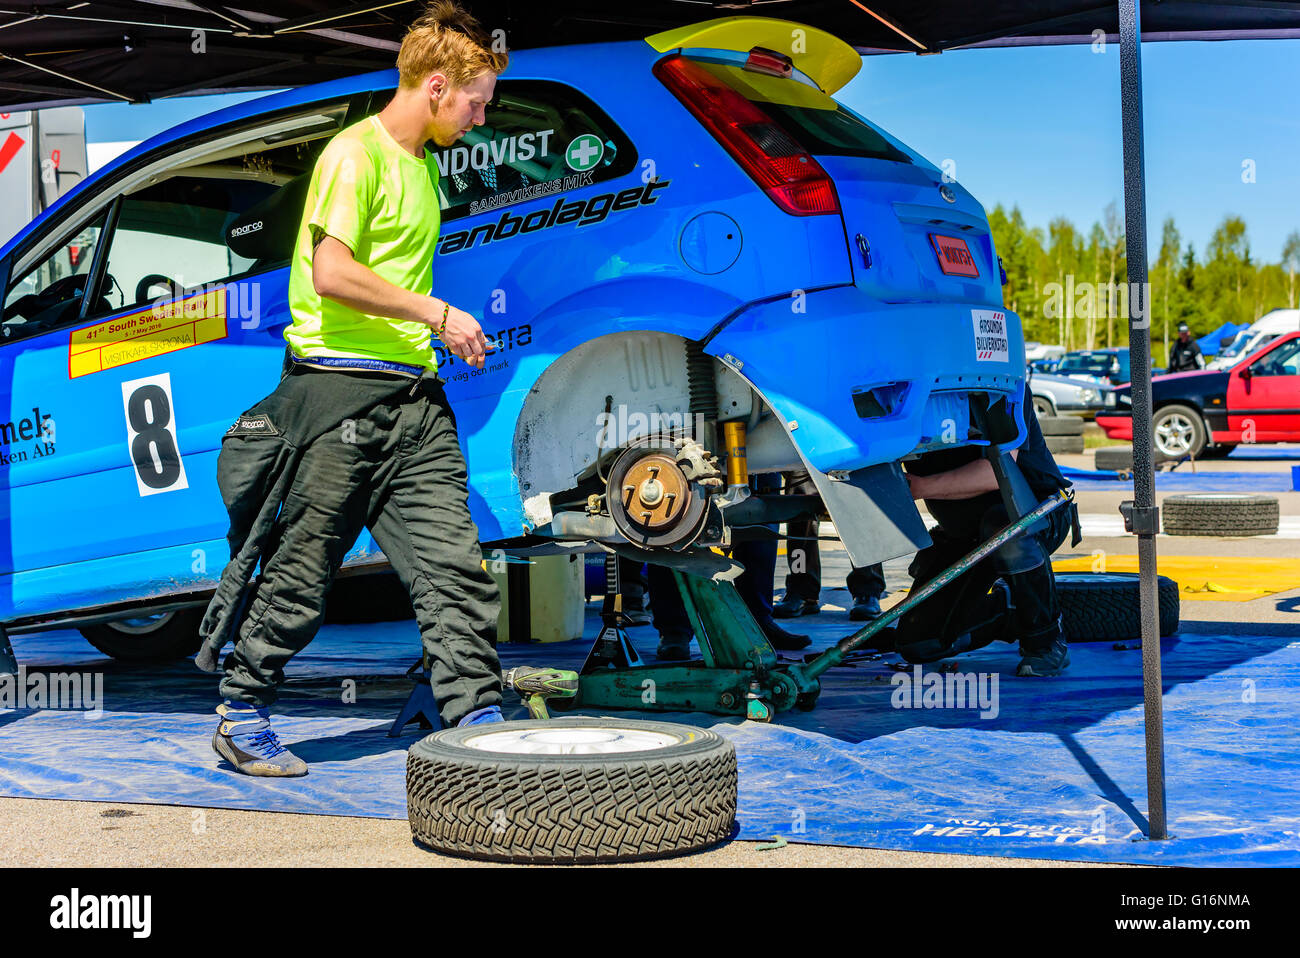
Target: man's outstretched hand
[[463, 335]]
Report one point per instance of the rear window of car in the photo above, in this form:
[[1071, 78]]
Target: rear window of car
[[807, 115]]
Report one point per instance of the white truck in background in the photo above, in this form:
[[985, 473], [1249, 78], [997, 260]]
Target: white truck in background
[[42, 156], [1258, 334]]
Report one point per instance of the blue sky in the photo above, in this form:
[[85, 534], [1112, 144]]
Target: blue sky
[[1039, 127]]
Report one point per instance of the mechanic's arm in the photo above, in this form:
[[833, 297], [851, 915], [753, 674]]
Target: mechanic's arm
[[338, 276], [965, 482]]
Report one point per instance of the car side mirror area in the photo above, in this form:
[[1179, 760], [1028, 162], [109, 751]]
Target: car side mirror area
[[1247, 374]]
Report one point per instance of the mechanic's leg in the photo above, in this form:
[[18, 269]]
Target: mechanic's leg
[[1025, 566], [956, 618], [322, 515], [421, 519], [867, 586], [803, 556], [669, 615]]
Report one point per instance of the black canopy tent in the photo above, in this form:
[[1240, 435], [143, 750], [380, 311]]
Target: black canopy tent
[[73, 51], [55, 52]]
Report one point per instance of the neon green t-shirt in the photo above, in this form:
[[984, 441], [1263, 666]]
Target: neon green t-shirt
[[372, 195]]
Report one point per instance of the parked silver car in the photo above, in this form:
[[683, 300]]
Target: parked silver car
[[1062, 396]]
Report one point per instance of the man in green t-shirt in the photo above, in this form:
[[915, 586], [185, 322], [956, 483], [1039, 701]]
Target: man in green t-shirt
[[359, 416]]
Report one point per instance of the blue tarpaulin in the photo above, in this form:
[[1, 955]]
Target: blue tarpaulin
[[1209, 343], [1038, 768]]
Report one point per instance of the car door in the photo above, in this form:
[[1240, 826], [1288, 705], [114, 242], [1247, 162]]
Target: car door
[[134, 383], [1264, 394]]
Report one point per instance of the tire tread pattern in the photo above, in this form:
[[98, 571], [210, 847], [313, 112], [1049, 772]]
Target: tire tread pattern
[[583, 811]]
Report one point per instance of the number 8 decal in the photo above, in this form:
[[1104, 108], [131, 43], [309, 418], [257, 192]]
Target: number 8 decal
[[151, 435]]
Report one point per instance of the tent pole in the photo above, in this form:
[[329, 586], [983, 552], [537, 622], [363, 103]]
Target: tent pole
[[1145, 515]]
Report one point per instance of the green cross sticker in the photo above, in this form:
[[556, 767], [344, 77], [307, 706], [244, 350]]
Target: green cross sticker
[[583, 152]]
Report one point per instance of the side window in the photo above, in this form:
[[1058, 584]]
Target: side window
[[50, 293], [1282, 361], [172, 236], [541, 138]]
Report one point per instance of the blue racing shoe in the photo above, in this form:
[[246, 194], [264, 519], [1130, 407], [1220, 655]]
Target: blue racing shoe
[[483, 716], [245, 739]]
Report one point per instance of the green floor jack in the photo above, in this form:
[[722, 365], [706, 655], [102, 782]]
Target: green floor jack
[[740, 673]]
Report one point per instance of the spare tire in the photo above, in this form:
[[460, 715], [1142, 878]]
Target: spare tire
[[1115, 458], [1104, 606], [1219, 514], [1060, 425], [1068, 445], [571, 790]]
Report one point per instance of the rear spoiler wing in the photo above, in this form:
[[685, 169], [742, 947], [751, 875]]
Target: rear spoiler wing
[[825, 59]]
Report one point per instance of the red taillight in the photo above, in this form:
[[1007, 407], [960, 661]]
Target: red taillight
[[785, 171]]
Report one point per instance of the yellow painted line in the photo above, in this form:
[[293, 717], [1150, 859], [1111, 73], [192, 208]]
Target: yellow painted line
[[1205, 578]]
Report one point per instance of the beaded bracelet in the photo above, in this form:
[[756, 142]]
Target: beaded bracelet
[[446, 310]]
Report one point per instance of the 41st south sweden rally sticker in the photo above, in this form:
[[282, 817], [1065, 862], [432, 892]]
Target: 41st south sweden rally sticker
[[990, 335]]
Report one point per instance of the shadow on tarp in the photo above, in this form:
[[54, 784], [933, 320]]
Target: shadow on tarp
[[1055, 769]]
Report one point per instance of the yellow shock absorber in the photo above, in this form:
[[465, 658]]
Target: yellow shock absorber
[[733, 438]]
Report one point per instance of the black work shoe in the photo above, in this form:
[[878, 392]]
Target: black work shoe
[[792, 607], [673, 648], [864, 610], [636, 617], [1044, 661], [780, 638]]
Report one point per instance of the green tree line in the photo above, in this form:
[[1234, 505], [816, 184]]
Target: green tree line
[[1224, 284]]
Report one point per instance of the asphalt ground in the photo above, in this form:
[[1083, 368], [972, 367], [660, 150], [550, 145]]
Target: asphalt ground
[[37, 832]]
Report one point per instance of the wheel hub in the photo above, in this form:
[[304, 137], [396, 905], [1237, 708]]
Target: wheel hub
[[652, 500]]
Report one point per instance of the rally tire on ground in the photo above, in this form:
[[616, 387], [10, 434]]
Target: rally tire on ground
[[1219, 514], [1060, 425], [1104, 606], [154, 637], [1114, 458], [1064, 445], [676, 794]]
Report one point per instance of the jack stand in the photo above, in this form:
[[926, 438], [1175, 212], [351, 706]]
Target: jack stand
[[612, 648], [420, 704], [8, 661]]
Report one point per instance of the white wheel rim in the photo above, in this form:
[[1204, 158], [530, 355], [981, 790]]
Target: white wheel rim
[[570, 740], [1174, 435], [142, 624]]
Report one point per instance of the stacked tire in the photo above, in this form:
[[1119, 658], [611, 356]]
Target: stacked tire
[[1220, 514], [1064, 434]]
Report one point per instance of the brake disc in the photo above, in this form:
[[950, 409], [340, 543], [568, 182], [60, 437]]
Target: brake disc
[[652, 501]]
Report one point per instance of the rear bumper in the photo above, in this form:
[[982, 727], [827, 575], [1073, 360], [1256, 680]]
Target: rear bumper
[[860, 383]]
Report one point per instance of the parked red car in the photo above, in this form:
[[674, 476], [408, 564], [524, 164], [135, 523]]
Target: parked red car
[[1206, 413]]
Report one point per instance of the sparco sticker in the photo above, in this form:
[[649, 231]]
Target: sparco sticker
[[990, 335]]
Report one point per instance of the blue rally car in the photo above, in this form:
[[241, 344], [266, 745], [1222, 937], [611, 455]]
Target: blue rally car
[[667, 240]]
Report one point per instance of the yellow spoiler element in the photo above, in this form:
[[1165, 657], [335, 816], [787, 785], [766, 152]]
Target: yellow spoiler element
[[826, 59]]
